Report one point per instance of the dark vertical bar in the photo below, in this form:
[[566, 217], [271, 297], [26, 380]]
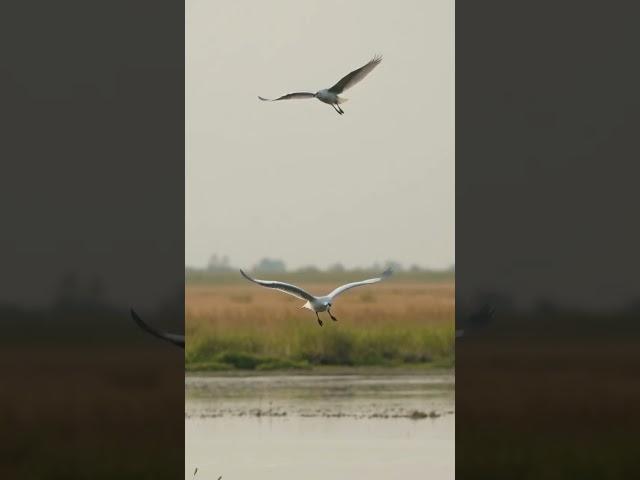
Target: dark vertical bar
[[92, 208], [547, 123]]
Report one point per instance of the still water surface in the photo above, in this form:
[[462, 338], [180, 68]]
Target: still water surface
[[320, 427]]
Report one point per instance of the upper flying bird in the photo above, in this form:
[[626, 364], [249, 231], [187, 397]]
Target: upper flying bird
[[169, 337], [330, 95], [316, 304]]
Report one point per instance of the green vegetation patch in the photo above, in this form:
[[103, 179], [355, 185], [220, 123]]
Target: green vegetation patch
[[295, 346]]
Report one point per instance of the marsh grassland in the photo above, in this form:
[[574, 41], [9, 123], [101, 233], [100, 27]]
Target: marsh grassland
[[76, 432], [584, 363], [406, 321]]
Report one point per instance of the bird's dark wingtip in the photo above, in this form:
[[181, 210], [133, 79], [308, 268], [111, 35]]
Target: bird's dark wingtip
[[140, 322]]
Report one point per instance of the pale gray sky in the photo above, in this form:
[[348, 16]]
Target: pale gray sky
[[295, 180]]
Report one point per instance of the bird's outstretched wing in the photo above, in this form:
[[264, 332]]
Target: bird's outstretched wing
[[169, 337], [354, 77], [289, 96], [387, 273], [283, 287]]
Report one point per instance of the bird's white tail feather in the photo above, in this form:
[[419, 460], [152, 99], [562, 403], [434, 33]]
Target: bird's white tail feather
[[342, 100]]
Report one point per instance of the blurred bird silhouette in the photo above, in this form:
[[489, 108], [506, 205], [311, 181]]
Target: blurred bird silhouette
[[169, 337], [476, 320]]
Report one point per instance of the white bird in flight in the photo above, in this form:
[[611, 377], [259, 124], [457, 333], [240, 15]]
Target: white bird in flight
[[331, 95], [316, 304]]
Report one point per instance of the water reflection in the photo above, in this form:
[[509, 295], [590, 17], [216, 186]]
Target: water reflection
[[342, 426]]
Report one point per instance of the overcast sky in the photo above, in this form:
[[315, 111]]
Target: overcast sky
[[295, 180]]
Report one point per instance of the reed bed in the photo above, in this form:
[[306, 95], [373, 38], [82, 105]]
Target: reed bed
[[247, 327], [99, 412]]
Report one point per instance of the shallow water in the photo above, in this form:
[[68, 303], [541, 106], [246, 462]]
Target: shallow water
[[320, 426]]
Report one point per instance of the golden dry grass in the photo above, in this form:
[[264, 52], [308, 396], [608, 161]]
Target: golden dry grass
[[91, 412], [393, 322], [541, 406], [225, 305]]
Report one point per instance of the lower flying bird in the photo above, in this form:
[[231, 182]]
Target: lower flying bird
[[331, 95], [316, 304], [169, 337]]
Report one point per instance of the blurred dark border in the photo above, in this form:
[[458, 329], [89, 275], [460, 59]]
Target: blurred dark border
[[547, 122], [92, 212]]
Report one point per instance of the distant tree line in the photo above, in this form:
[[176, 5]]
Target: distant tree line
[[222, 264]]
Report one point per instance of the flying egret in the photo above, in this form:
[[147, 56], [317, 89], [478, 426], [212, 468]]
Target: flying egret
[[316, 304], [331, 95], [169, 337]]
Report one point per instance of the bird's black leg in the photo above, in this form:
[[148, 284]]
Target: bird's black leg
[[340, 110], [336, 108], [332, 317], [319, 321]]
